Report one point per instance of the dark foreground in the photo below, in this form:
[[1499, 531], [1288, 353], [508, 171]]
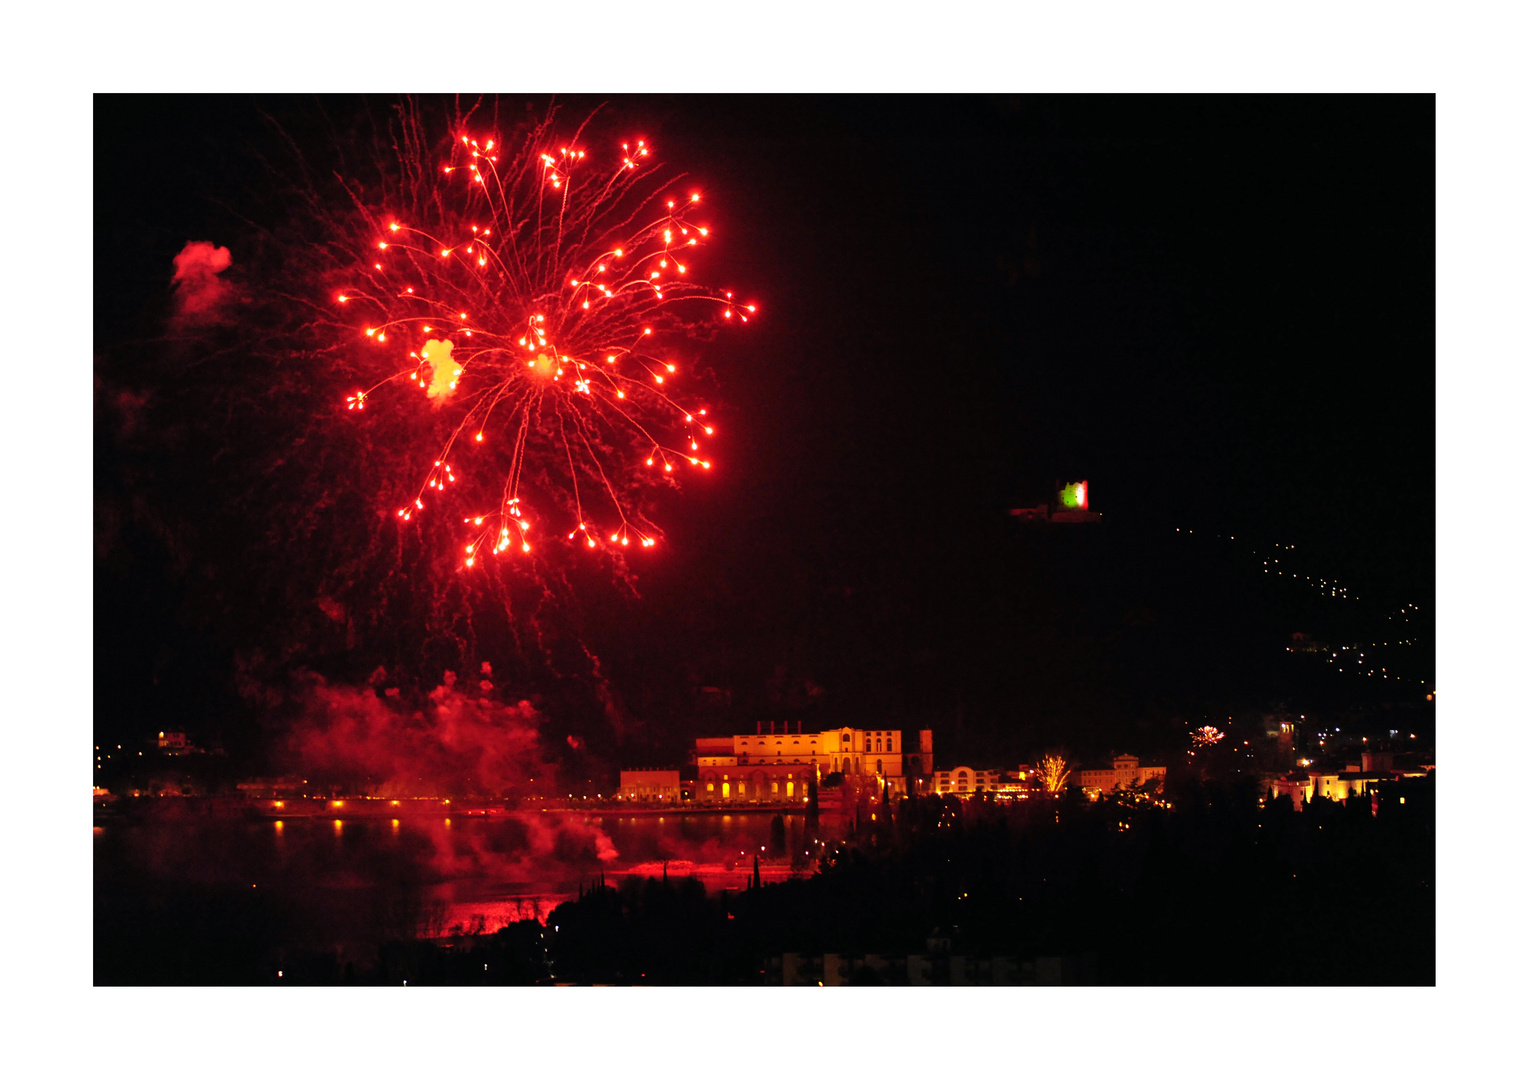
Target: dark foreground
[[1218, 890]]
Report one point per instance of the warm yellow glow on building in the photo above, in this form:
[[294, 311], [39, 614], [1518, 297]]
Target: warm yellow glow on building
[[1127, 771], [771, 766], [964, 780]]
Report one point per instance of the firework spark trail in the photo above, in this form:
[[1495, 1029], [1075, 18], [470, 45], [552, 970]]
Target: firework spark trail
[[532, 298]]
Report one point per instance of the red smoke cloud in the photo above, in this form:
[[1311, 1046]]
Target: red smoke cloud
[[455, 745], [198, 289]]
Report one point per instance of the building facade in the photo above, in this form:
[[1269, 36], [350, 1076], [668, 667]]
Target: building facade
[[650, 785], [1126, 771], [964, 780], [1375, 769], [773, 766]]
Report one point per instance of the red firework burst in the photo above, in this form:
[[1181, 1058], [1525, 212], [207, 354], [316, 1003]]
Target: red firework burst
[[531, 298]]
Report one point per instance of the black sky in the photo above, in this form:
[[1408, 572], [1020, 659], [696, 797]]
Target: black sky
[[1217, 310]]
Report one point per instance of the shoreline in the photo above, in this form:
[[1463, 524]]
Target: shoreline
[[266, 809]]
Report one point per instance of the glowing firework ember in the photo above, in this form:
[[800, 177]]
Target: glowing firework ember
[[1206, 736], [529, 296]]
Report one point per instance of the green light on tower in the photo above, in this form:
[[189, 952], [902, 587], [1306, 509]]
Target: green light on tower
[[1074, 496]]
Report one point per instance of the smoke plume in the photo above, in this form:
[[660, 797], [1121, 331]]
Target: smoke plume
[[451, 744], [198, 289]]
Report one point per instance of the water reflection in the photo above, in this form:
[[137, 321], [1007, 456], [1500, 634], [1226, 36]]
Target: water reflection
[[366, 879]]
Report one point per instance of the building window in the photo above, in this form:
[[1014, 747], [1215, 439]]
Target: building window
[[710, 787]]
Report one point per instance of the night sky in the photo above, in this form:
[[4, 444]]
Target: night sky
[[1219, 311]]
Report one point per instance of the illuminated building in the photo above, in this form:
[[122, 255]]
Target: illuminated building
[[1127, 771], [1073, 496], [964, 780], [650, 785], [1017, 782], [775, 766], [1302, 788], [1374, 770], [1069, 505], [175, 742]]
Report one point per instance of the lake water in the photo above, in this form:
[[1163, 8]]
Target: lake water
[[364, 878]]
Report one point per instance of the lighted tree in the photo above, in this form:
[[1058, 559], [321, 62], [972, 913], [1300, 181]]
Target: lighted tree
[[1053, 773]]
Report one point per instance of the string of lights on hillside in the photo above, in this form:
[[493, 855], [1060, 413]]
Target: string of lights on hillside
[[1340, 655], [1269, 562], [1346, 658]]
